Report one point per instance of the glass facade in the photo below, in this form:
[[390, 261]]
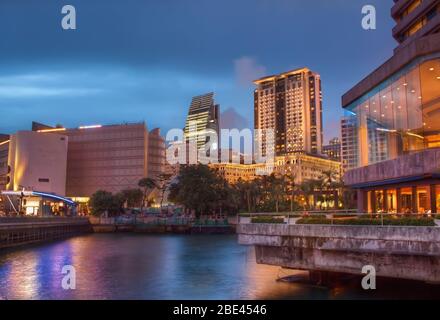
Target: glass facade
[[399, 116]]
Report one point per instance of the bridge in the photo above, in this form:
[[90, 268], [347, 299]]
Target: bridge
[[405, 252]]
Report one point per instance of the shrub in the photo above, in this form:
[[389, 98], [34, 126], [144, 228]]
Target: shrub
[[368, 221]]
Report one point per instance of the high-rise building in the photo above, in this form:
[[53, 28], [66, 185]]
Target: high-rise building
[[290, 103], [333, 149], [394, 116], [202, 121], [349, 148]]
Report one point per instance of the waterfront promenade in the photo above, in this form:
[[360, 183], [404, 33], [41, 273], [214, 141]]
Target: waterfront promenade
[[15, 231]]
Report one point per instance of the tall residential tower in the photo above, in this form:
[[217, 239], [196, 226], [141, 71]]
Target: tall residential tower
[[291, 104]]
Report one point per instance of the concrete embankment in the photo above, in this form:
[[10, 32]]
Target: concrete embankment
[[25, 230], [163, 229], [395, 251]]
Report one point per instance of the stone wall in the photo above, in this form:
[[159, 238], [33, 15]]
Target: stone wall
[[399, 252]]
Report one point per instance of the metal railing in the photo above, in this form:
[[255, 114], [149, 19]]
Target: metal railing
[[331, 216]]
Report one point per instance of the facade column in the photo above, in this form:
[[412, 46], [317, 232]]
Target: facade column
[[399, 200], [385, 200], [373, 201], [414, 207], [336, 199], [433, 200], [361, 201]]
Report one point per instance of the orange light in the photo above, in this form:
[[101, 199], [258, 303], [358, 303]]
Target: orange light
[[52, 130], [4, 142]]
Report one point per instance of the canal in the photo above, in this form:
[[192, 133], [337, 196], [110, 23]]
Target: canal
[[136, 266]]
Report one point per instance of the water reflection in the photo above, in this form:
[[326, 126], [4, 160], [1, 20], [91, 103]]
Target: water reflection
[[132, 266]]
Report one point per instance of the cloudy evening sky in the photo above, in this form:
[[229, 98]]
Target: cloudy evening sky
[[143, 60]]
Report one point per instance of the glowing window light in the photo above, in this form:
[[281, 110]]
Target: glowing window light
[[52, 130], [49, 195], [91, 127]]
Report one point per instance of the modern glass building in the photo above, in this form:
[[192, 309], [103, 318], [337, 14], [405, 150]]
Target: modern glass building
[[395, 119], [202, 123]]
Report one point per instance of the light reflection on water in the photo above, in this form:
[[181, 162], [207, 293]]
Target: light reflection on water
[[133, 266]]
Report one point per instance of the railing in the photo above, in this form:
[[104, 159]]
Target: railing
[[27, 219], [158, 221], [330, 217]]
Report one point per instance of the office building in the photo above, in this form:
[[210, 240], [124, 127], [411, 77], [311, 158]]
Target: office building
[[202, 122], [290, 103], [349, 147], [396, 112], [333, 149]]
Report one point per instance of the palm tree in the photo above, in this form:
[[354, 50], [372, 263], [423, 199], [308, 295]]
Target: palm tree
[[308, 188], [291, 187], [146, 184], [331, 182]]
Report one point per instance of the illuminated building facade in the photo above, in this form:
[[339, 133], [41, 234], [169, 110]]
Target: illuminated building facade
[[4, 151], [37, 162], [291, 104], [156, 153], [305, 167], [396, 116], [202, 121], [349, 148], [233, 172], [333, 149]]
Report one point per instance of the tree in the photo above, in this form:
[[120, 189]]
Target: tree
[[199, 189], [147, 184], [132, 197], [307, 188], [291, 188], [105, 202], [163, 184]]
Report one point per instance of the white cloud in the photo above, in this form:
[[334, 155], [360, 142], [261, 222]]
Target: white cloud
[[30, 91], [247, 69]]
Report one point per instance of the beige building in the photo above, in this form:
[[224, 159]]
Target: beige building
[[109, 157], [233, 172], [302, 166], [156, 153], [4, 151], [291, 104], [37, 162], [305, 167]]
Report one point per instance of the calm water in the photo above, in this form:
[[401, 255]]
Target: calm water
[[132, 266]]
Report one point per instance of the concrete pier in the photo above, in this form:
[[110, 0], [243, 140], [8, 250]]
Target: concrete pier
[[21, 231], [396, 252]]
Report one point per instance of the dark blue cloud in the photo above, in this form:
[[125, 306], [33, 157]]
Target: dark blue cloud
[[136, 60]]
